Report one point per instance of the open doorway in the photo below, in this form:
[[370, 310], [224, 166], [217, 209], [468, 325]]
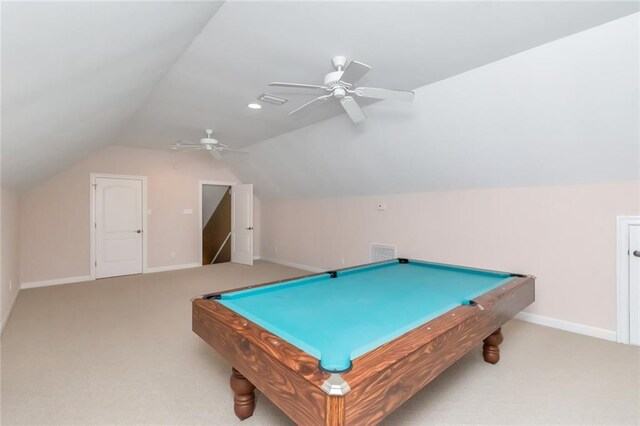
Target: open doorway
[[216, 224], [226, 221]]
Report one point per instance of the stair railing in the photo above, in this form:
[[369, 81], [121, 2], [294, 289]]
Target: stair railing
[[221, 247]]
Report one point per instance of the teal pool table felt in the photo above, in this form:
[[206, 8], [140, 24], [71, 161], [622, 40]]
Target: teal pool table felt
[[338, 319]]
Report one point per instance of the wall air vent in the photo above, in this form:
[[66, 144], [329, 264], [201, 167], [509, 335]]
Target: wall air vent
[[382, 252], [272, 99]]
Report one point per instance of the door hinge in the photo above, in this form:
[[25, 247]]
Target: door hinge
[[95, 263], [95, 224]]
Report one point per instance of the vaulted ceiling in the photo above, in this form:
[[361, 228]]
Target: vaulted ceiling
[[74, 73], [77, 76], [564, 113]]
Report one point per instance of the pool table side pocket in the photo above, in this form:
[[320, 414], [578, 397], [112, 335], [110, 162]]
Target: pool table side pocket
[[385, 378], [286, 375]]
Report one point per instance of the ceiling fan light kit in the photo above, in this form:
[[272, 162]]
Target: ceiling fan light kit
[[341, 85]]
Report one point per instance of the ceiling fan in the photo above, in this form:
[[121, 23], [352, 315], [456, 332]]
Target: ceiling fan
[[340, 84], [208, 143]]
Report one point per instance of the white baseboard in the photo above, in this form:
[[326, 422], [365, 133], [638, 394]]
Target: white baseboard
[[293, 265], [573, 327], [8, 314], [71, 280], [172, 267], [57, 281]]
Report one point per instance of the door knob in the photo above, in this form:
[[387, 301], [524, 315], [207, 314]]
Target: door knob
[[250, 228], [139, 231], [636, 253]]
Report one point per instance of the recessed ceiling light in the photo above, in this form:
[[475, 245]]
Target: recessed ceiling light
[[254, 106]]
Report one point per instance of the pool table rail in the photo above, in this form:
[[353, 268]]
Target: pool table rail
[[278, 369], [380, 380], [383, 379]]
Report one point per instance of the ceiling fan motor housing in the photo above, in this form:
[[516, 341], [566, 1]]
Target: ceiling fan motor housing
[[333, 79], [208, 140]]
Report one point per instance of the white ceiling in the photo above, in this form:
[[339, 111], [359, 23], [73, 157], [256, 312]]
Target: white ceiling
[[73, 73], [408, 44], [563, 113], [150, 73]]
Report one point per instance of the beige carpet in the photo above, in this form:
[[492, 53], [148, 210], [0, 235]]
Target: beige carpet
[[121, 351]]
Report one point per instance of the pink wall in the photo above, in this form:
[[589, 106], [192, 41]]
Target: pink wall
[[9, 255], [54, 216], [565, 235]]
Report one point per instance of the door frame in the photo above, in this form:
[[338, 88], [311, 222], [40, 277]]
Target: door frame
[[623, 224], [201, 185], [92, 217]]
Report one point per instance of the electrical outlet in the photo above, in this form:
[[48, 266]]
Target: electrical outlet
[[343, 261], [275, 249], [172, 254], [10, 284], [382, 206]]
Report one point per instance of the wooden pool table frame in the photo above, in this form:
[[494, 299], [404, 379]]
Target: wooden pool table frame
[[380, 380]]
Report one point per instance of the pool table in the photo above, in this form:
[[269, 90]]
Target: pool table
[[347, 347]]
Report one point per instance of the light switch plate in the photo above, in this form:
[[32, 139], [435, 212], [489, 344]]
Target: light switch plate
[[187, 211]]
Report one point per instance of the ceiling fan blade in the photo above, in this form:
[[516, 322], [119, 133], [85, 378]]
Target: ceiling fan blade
[[353, 109], [377, 93], [239, 151], [298, 85], [354, 72], [319, 98], [183, 150], [216, 154], [182, 145]]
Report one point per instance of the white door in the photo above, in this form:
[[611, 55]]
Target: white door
[[118, 223], [634, 284], [242, 224]]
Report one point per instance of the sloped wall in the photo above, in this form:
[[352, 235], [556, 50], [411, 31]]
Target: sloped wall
[[559, 114]]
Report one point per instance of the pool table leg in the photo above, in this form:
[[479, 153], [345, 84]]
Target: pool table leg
[[244, 399], [491, 349]]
